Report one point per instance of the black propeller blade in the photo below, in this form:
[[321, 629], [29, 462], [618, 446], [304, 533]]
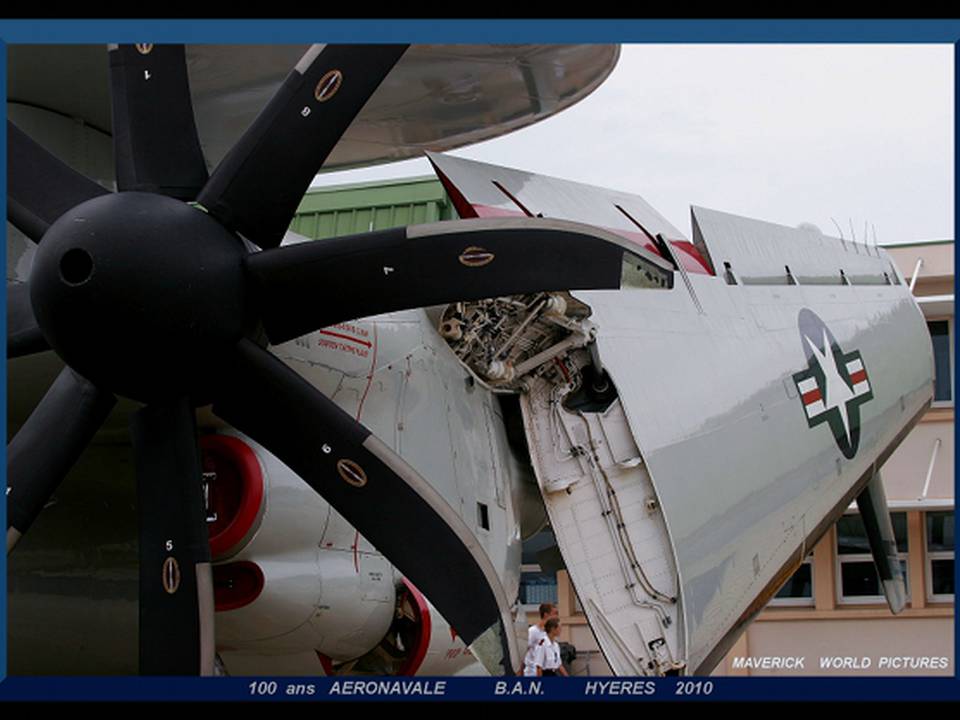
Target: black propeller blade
[[312, 285], [40, 188], [256, 188], [374, 489], [48, 445], [176, 584], [155, 143], [23, 333]]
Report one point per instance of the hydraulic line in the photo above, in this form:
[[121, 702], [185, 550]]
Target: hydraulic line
[[621, 525]]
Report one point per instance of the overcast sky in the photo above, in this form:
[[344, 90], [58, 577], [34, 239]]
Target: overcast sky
[[785, 133]]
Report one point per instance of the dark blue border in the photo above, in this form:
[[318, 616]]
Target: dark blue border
[[484, 689], [3, 371], [956, 224], [473, 31]]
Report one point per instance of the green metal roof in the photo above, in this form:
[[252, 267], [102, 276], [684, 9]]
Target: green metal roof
[[361, 207], [911, 243]]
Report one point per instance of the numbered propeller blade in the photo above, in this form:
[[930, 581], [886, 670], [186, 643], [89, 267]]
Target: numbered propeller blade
[[48, 445], [258, 185], [155, 143], [176, 585], [304, 287], [40, 188], [375, 490], [23, 333]]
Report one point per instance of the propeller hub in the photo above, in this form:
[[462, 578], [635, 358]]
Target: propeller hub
[[139, 293]]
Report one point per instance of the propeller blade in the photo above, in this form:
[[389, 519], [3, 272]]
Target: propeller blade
[[176, 585], [155, 143], [48, 445], [23, 333], [376, 491], [255, 190], [40, 188], [304, 287]]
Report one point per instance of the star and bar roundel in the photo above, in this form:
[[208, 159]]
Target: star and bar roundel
[[834, 385]]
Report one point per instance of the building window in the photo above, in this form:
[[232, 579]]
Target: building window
[[858, 581], [942, 360], [940, 556], [537, 587], [798, 590], [538, 580]]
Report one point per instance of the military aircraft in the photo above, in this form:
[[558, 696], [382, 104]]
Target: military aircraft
[[691, 414]]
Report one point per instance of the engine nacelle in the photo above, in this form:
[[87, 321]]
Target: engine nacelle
[[291, 575], [419, 642]]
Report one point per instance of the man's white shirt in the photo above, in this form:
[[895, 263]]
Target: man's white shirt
[[535, 635], [547, 655]]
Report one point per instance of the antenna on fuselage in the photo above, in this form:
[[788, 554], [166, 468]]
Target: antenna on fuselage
[[839, 230]]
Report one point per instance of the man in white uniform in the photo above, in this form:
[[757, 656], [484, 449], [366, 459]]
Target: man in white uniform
[[535, 635], [546, 655]]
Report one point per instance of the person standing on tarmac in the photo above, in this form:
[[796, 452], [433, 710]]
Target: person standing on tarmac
[[535, 634], [546, 657]]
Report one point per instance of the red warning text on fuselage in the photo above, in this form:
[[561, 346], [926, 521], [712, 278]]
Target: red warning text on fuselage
[[346, 338]]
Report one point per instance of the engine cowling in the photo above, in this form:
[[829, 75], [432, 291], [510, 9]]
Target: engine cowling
[[419, 642], [291, 576], [234, 490]]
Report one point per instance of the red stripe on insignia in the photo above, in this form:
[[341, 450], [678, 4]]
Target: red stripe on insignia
[[858, 377], [811, 397]]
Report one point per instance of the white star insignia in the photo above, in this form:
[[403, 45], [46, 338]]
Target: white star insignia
[[836, 393]]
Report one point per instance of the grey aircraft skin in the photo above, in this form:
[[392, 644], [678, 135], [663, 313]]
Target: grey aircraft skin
[[747, 386], [711, 376], [747, 488]]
